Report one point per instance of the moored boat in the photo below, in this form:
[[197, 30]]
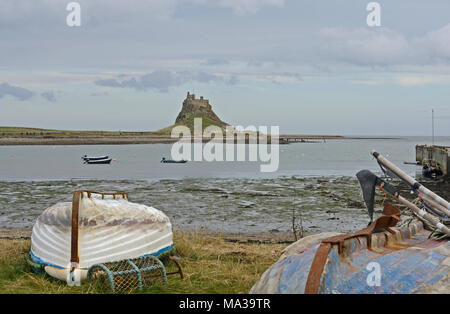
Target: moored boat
[[170, 161], [85, 158], [98, 162]]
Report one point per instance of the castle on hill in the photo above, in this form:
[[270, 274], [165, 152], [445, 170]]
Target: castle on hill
[[190, 98], [197, 107]]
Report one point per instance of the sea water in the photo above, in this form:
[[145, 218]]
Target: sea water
[[316, 179]]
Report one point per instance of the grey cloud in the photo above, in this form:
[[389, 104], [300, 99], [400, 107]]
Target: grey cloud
[[382, 47], [241, 7], [214, 62], [435, 44], [48, 13], [49, 95], [95, 94], [283, 77], [233, 80], [255, 63], [160, 80], [363, 46], [108, 83], [19, 93], [202, 77], [293, 37]]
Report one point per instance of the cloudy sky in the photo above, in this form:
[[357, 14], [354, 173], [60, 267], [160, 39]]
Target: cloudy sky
[[309, 66]]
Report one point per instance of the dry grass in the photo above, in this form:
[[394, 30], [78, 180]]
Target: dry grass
[[35, 132], [210, 265]]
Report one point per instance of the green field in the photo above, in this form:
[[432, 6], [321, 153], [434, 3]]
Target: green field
[[33, 135], [35, 132]]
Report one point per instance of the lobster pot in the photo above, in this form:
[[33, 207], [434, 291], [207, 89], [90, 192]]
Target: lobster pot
[[97, 228], [128, 275]]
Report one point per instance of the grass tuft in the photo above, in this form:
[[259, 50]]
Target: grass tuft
[[210, 265]]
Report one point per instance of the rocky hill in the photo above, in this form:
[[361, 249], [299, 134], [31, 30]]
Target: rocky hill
[[195, 108]]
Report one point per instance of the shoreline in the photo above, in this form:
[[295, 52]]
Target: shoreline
[[260, 237], [22, 141], [127, 140]]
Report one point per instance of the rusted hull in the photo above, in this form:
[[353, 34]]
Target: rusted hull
[[408, 263]]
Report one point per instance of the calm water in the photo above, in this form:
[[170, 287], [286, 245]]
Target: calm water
[[317, 179]]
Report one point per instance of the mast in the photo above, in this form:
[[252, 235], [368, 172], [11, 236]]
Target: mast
[[432, 126]]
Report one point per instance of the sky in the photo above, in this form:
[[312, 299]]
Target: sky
[[307, 66]]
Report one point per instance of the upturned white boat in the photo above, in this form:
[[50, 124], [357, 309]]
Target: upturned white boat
[[96, 228]]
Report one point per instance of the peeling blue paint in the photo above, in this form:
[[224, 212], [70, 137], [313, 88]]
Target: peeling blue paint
[[415, 265]]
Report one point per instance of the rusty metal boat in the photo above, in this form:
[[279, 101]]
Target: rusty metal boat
[[382, 258], [406, 261]]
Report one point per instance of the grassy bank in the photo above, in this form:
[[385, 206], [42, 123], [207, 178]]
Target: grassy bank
[[210, 265], [36, 136], [35, 132], [33, 136]]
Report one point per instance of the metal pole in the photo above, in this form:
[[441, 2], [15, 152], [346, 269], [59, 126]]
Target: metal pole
[[432, 125], [74, 257], [435, 205], [416, 185], [434, 221]]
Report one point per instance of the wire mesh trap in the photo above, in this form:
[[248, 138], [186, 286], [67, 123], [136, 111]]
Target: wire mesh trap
[[128, 275], [35, 267]]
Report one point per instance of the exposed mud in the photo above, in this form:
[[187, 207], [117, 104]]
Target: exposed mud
[[220, 205]]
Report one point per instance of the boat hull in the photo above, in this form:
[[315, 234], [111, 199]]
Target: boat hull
[[109, 230], [99, 162], [174, 161], [408, 263]]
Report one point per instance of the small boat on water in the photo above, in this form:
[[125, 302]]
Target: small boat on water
[[102, 160], [170, 161], [70, 237], [98, 162], [85, 158]]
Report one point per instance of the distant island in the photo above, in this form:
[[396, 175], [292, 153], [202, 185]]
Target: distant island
[[192, 108], [195, 108]]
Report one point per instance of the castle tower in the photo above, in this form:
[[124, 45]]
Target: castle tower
[[197, 107]]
